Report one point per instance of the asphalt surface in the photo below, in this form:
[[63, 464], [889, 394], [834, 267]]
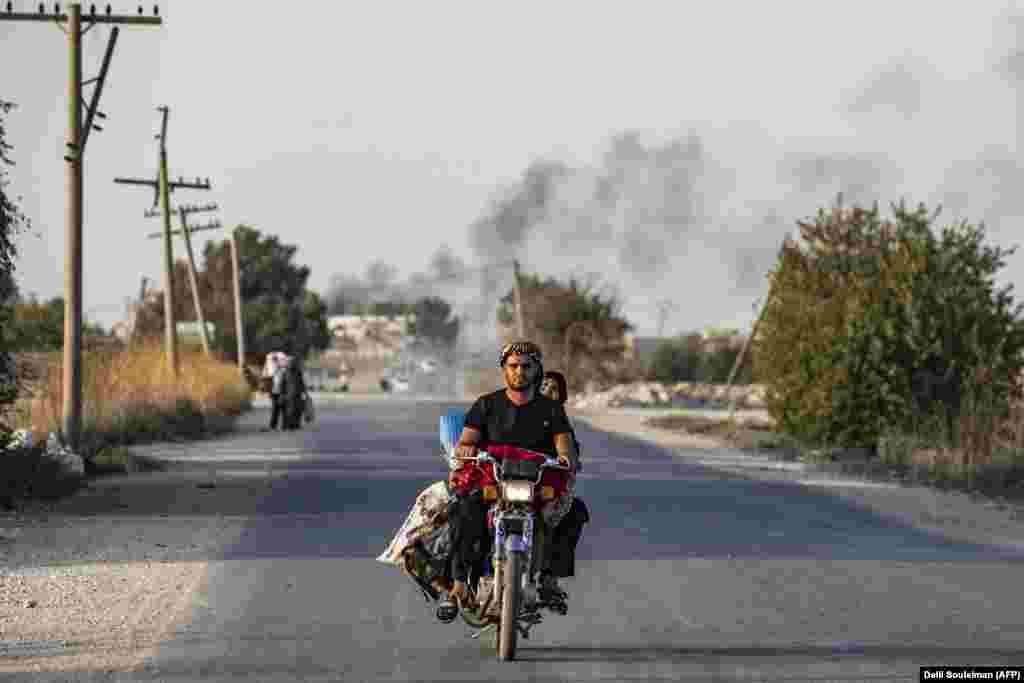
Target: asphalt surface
[[685, 573]]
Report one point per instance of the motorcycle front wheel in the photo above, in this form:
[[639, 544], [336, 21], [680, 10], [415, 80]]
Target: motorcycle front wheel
[[511, 590]]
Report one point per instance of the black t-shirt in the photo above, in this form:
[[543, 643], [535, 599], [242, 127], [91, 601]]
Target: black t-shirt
[[532, 426]]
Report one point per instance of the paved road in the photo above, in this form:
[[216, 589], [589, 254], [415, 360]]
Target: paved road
[[685, 573]]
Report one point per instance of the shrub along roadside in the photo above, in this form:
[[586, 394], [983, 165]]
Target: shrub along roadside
[[684, 359], [925, 456], [872, 322], [128, 398]]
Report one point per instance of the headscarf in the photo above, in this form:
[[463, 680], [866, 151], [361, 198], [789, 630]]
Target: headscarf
[[522, 348], [528, 349], [561, 386]]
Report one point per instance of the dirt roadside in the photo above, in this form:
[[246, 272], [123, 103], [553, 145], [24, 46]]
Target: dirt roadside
[[96, 581], [110, 586]]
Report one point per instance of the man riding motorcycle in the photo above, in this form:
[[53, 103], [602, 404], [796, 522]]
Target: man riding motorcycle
[[519, 416]]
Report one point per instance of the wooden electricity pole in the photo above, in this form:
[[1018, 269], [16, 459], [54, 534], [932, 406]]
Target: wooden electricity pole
[[664, 307], [183, 212], [203, 336], [753, 332], [239, 323], [78, 135], [517, 289], [164, 186], [138, 309]]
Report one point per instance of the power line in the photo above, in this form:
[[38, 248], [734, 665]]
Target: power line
[[162, 187], [78, 135]]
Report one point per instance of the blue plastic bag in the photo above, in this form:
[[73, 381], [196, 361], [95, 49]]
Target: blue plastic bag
[[451, 430]]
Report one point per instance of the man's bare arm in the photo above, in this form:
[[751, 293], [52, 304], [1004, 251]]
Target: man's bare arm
[[470, 436], [565, 447], [468, 442], [466, 448]]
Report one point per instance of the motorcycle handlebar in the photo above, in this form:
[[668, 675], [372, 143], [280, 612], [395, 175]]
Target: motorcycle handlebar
[[485, 457]]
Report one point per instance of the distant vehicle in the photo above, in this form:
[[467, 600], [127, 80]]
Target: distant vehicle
[[391, 383], [428, 365]]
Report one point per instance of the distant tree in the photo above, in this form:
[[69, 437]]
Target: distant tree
[[314, 313], [875, 322], [12, 221], [434, 323], [677, 360], [341, 300], [715, 366], [581, 329], [39, 326], [391, 309], [278, 311]]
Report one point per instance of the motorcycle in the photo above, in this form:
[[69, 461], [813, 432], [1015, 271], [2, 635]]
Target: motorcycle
[[515, 483]]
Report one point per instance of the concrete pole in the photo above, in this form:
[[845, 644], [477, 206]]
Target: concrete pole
[[72, 369], [170, 326], [138, 310], [521, 327], [239, 325], [203, 337]]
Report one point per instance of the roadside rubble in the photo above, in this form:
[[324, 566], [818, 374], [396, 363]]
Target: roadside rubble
[[750, 397], [71, 463]]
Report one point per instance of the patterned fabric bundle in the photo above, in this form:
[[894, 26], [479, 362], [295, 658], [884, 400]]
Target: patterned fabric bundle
[[429, 515]]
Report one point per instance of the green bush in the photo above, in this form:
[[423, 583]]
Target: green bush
[[683, 360], [676, 360], [870, 324], [716, 365], [112, 459], [140, 427]]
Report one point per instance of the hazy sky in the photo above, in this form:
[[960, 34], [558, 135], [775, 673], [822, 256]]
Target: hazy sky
[[380, 131]]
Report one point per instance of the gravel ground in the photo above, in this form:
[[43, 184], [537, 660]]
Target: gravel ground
[[108, 585]]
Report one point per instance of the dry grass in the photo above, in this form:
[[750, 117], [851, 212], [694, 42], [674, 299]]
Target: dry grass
[[747, 434], [127, 392]]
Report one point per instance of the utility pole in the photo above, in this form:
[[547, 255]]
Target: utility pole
[[138, 309], [164, 186], [78, 136], [519, 300], [183, 212], [239, 323], [753, 332], [664, 306]]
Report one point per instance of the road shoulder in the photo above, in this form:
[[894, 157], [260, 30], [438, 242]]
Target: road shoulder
[[957, 516]]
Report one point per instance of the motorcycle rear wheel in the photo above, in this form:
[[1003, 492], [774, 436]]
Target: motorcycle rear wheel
[[511, 591]]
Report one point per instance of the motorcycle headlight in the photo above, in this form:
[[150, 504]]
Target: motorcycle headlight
[[518, 491]]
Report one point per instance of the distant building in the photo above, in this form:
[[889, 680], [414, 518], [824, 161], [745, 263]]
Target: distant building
[[124, 329], [369, 336]]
